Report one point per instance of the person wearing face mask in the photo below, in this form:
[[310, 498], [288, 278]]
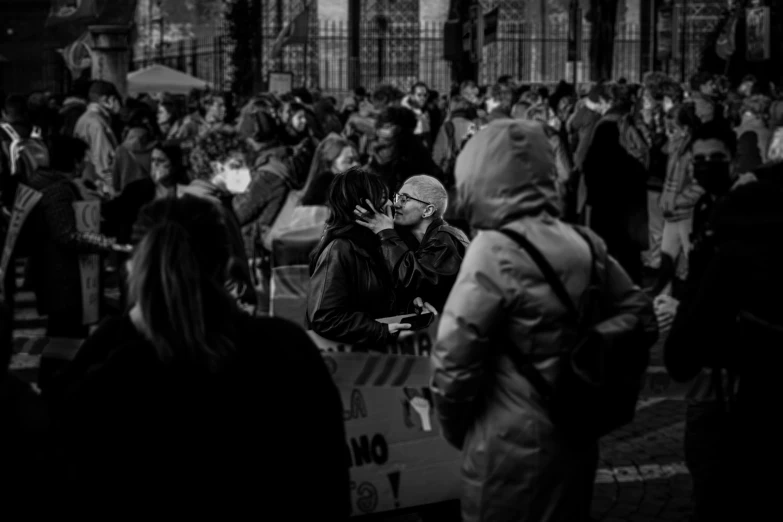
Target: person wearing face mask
[[220, 172], [94, 127], [727, 328], [422, 251]]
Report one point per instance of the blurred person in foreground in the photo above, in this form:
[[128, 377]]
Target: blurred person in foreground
[[159, 410], [517, 465], [727, 333]]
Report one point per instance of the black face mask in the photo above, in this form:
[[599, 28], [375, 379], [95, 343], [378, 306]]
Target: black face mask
[[713, 176]]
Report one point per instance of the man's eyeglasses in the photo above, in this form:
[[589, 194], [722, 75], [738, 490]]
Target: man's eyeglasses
[[401, 199]]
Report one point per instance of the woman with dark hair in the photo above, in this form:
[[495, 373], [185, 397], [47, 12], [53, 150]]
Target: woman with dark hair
[[166, 397], [350, 286], [170, 119], [296, 126], [334, 155]]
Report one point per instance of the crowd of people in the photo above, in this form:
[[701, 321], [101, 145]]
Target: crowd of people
[[397, 203]]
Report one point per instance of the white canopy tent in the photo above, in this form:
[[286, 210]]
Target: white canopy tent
[[159, 78]]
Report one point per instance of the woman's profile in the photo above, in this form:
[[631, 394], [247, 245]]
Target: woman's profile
[[350, 286], [185, 403]]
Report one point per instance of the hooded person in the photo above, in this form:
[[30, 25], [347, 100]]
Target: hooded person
[[516, 465]]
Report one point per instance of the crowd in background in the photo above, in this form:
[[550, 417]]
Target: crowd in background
[[381, 197]]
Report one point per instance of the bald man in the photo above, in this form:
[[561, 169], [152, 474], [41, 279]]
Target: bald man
[[422, 251]]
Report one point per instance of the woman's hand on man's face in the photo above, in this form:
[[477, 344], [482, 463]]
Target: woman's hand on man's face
[[373, 219]]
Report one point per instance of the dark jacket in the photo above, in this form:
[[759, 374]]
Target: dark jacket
[[616, 188], [739, 270], [350, 287], [54, 259], [126, 419], [239, 271], [427, 270], [276, 171]]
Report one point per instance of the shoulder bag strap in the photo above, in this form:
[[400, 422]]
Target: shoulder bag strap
[[524, 366], [546, 268]]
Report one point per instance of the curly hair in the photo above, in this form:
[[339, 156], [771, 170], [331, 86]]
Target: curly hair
[[218, 145]]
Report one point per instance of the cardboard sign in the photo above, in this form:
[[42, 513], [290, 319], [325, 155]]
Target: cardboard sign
[[280, 82], [398, 458], [26, 200], [88, 219]]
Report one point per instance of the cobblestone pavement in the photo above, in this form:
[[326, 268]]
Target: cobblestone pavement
[[642, 475]]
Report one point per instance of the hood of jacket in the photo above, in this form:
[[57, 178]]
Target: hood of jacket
[[505, 172]]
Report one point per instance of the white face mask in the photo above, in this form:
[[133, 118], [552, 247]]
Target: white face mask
[[233, 175], [237, 180]]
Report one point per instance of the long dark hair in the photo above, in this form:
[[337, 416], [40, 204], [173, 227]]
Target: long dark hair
[[177, 279], [347, 190], [321, 176]]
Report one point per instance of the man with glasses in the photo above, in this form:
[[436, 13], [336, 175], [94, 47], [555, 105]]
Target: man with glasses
[[422, 251]]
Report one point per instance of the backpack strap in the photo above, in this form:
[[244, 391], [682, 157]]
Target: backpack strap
[[523, 364], [550, 275]]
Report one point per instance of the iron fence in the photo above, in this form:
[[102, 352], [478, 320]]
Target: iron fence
[[402, 53]]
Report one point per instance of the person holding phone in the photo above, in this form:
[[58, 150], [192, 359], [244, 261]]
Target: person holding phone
[[422, 251], [350, 285]]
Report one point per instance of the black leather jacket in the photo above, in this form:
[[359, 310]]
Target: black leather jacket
[[427, 270], [350, 287]]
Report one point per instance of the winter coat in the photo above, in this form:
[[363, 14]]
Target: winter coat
[[95, 129], [516, 465], [350, 287], [127, 418], [680, 191], [256, 209], [740, 271], [54, 260], [133, 159], [616, 188], [444, 149], [427, 270]]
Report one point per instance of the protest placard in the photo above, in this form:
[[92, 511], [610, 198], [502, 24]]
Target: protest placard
[[88, 219]]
